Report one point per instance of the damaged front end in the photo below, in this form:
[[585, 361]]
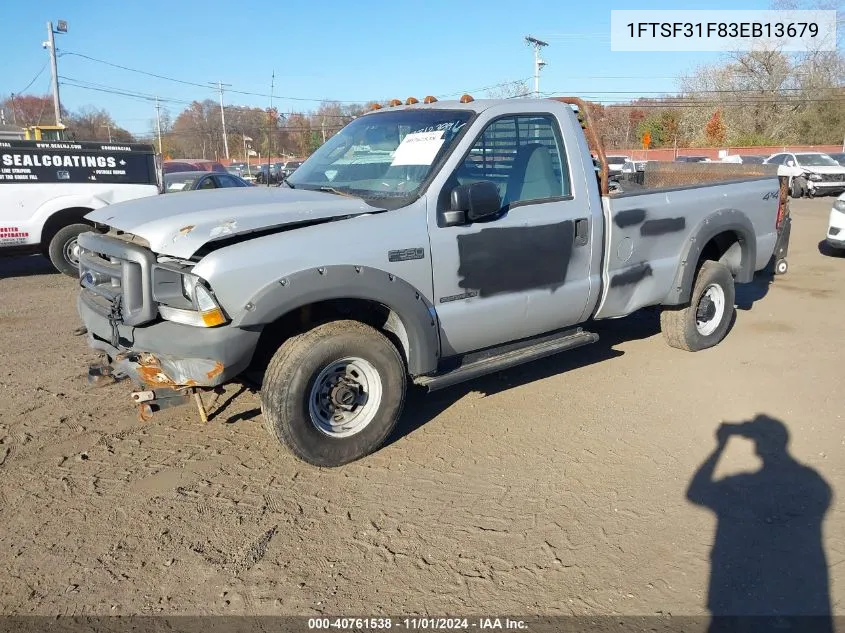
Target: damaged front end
[[159, 325], [160, 381]]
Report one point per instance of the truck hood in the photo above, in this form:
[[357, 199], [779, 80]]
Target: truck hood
[[179, 224]]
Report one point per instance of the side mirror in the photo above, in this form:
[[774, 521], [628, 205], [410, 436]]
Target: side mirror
[[790, 163], [476, 201]]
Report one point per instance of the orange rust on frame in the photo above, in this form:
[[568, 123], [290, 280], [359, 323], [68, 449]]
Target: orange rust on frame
[[151, 373], [216, 370]]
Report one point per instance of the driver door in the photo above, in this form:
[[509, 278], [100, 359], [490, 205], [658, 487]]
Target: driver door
[[525, 271]]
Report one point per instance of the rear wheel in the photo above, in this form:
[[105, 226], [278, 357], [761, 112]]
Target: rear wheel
[[333, 394], [63, 249], [704, 322]]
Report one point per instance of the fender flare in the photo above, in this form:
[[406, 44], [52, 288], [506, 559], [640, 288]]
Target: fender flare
[[717, 222], [324, 283]]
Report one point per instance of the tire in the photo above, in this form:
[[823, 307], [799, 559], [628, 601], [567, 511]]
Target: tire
[[682, 327], [296, 415], [61, 248], [799, 188]]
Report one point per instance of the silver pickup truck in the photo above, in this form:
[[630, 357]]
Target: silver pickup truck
[[425, 243]]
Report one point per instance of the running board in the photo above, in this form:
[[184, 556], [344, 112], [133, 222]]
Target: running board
[[506, 360]]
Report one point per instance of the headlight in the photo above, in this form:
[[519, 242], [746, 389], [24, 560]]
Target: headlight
[[839, 205], [814, 177], [188, 283], [206, 312]]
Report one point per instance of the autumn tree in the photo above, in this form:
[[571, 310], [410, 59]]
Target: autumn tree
[[95, 124], [29, 110]]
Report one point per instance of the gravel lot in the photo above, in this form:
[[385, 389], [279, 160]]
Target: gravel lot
[[555, 488]]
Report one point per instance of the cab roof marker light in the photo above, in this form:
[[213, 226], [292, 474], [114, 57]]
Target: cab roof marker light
[[466, 99], [411, 101], [395, 102], [375, 106], [430, 99]]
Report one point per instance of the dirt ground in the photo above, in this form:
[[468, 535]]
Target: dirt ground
[[556, 488]]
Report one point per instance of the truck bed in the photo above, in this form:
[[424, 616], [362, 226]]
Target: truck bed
[[651, 230]]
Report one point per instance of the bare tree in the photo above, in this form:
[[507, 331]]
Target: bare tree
[[509, 90]]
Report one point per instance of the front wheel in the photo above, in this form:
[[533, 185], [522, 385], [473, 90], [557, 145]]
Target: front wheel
[[704, 322], [63, 249], [334, 393]]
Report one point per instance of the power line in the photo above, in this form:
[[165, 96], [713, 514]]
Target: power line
[[135, 70], [257, 94], [37, 75]]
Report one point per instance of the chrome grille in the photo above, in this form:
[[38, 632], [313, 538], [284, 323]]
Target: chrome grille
[[111, 268]]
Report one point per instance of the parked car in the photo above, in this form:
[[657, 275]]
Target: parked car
[[191, 164], [194, 180], [268, 173], [819, 173], [289, 167], [616, 164], [692, 159], [332, 296], [752, 159], [839, 157], [836, 226]]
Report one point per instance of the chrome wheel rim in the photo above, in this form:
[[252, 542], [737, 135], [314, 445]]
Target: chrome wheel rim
[[345, 397], [72, 251], [711, 310]]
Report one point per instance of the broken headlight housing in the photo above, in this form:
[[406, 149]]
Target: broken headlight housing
[[186, 298]]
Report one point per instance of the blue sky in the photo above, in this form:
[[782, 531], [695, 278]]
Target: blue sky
[[349, 51]]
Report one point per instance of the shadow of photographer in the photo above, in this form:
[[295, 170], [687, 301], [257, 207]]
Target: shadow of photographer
[[768, 566]]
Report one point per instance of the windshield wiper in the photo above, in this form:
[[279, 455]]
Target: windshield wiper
[[337, 191]]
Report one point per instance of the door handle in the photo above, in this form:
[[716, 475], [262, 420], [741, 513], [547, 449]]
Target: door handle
[[582, 231]]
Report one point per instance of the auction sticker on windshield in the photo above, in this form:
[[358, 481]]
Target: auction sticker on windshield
[[418, 148]]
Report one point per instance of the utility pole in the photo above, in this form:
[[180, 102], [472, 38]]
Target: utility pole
[[323, 126], [14, 111], [51, 44], [538, 63], [220, 85], [108, 127], [158, 125]]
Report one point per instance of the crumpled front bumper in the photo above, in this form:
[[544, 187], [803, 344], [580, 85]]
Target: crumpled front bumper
[[168, 355]]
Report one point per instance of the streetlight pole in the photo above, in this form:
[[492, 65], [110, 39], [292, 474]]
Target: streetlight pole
[[220, 85], [246, 154], [158, 125], [51, 44], [538, 63]]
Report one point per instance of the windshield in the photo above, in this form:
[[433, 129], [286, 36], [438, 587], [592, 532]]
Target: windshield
[[384, 155], [816, 160]]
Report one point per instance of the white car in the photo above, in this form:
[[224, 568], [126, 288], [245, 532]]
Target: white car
[[836, 225], [821, 174], [616, 164]]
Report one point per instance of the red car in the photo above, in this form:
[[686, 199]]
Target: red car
[[191, 164]]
